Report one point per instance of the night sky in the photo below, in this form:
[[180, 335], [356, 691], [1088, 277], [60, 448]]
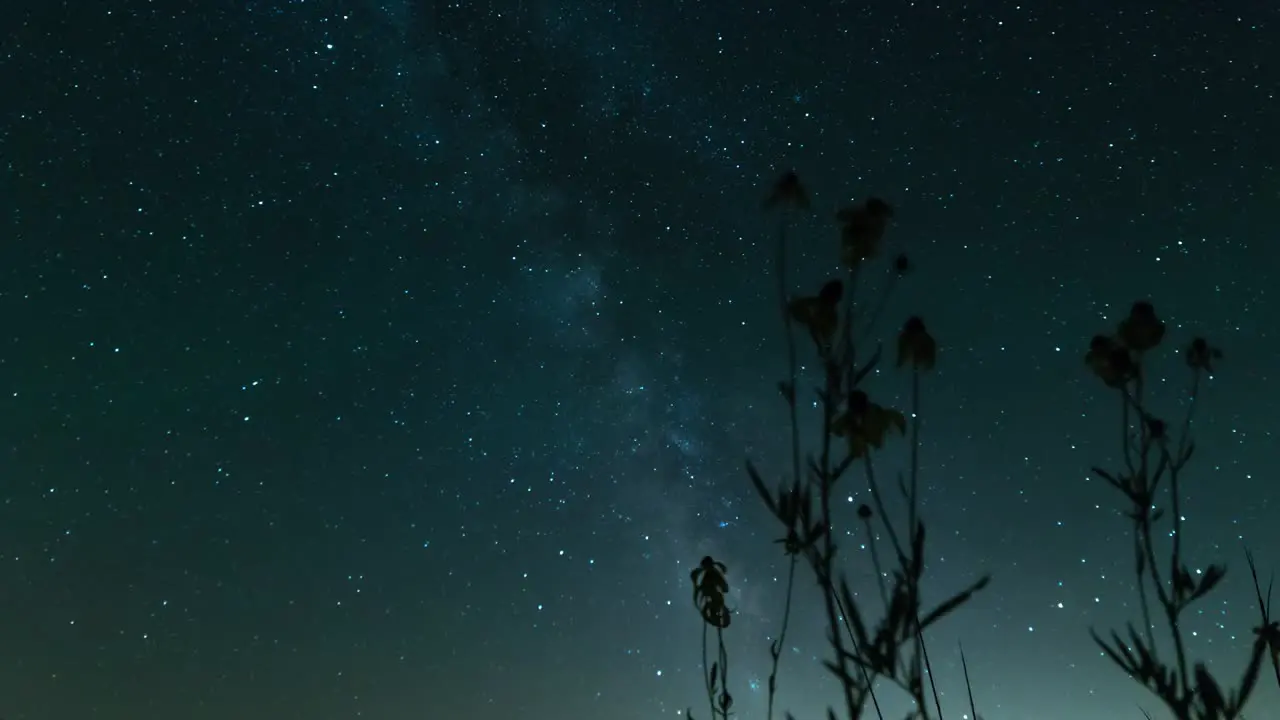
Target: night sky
[[400, 359]]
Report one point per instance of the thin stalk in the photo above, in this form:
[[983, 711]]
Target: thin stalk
[[792, 362], [1147, 626], [853, 642], [1264, 609], [1169, 605], [912, 510], [924, 652], [1166, 597], [875, 563], [782, 635], [706, 674], [973, 709], [1125, 426], [874, 487], [724, 672], [878, 309], [827, 571], [913, 519], [792, 381]]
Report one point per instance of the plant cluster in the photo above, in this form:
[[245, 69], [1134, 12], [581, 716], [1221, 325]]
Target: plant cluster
[[890, 650], [854, 429], [1152, 464]]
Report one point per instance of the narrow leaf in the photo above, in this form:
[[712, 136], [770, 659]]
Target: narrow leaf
[[758, 482], [956, 601]]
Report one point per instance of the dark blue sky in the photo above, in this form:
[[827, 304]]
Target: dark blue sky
[[398, 360]]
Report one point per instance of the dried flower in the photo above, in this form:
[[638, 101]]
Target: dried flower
[[1142, 330], [862, 228], [1111, 361], [916, 346], [819, 314], [1200, 355], [788, 193]]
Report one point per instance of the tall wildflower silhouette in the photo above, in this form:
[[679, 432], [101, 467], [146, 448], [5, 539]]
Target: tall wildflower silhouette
[[870, 647], [1150, 479]]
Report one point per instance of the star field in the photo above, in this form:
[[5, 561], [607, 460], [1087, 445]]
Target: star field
[[400, 359]]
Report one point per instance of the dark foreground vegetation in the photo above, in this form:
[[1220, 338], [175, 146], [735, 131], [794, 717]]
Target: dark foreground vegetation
[[882, 643]]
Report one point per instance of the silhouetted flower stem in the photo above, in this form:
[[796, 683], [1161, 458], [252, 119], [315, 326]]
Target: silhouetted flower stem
[[776, 650], [892, 648], [1139, 554], [968, 686], [1269, 631], [1190, 692], [708, 673], [716, 676], [853, 642], [792, 363], [1171, 467], [875, 561], [826, 577], [874, 318], [912, 520], [913, 497], [878, 500], [928, 668], [725, 700], [790, 395]]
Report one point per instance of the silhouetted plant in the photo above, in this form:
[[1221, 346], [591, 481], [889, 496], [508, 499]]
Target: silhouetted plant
[[836, 324], [710, 588], [1152, 465], [1269, 631]]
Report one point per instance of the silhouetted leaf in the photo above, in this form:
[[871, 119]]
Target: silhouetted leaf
[[758, 482], [1210, 692], [852, 614], [917, 553], [842, 466], [956, 601], [1249, 679], [1208, 581], [1111, 479], [814, 470], [815, 533], [788, 392], [1118, 653], [842, 675]]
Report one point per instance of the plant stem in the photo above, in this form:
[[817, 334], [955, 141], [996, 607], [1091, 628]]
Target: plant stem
[[707, 674], [827, 571], [973, 709], [782, 634], [875, 563], [792, 381], [912, 510]]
